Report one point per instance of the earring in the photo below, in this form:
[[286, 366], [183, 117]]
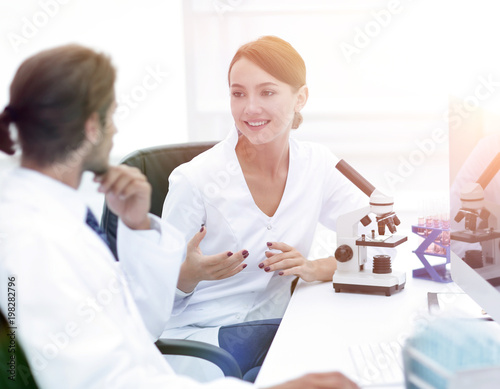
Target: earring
[[297, 120]]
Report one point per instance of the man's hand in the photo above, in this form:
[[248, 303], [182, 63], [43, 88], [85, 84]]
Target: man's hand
[[333, 380], [198, 267], [128, 195]]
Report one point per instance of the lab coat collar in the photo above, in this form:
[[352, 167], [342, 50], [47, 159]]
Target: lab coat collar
[[49, 193], [233, 136]]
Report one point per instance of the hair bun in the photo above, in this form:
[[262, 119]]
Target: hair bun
[[11, 113], [6, 143]]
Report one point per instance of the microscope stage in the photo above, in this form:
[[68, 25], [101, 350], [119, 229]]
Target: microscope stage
[[474, 237], [391, 241]]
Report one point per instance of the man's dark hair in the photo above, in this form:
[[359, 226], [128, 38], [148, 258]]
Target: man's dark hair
[[52, 95]]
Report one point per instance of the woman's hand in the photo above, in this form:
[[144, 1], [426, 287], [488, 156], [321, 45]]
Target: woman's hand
[[198, 267], [291, 262]]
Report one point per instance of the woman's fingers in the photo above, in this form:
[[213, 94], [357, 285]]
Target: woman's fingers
[[280, 261], [279, 246], [213, 267], [226, 264], [195, 241]]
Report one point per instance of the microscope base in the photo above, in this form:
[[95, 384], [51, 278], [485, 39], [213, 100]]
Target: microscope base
[[364, 282], [490, 273], [387, 290]]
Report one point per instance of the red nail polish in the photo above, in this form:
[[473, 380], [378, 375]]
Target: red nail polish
[[244, 252], [267, 268], [261, 265], [269, 244], [229, 253], [281, 273], [244, 265], [202, 228]]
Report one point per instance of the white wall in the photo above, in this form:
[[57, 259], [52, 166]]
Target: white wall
[[140, 36]]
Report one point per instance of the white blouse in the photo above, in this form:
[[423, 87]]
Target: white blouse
[[212, 190]]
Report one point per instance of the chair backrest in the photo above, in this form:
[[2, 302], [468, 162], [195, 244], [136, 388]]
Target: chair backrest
[[16, 373], [156, 163]]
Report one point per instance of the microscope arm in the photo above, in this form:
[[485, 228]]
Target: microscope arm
[[357, 179], [347, 224], [380, 204], [474, 191], [489, 172]]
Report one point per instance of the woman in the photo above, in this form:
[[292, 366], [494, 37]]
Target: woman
[[258, 196]]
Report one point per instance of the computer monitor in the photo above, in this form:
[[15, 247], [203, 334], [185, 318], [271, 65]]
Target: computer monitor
[[475, 211]]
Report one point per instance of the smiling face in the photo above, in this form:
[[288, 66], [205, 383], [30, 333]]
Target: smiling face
[[263, 107]]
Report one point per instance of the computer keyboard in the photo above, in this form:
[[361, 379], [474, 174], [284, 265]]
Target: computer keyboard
[[378, 364]]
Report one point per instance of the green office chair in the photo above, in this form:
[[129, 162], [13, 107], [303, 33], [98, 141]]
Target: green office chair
[[16, 372], [156, 163]]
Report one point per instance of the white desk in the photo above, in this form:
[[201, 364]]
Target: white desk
[[319, 325]]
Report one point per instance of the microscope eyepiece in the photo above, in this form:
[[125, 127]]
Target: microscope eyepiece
[[366, 220]]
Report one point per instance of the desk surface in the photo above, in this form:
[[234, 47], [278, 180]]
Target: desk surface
[[320, 325]]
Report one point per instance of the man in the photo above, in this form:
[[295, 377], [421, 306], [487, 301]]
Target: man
[[84, 319]]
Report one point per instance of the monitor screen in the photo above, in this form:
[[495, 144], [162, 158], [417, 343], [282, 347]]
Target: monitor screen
[[475, 209]]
